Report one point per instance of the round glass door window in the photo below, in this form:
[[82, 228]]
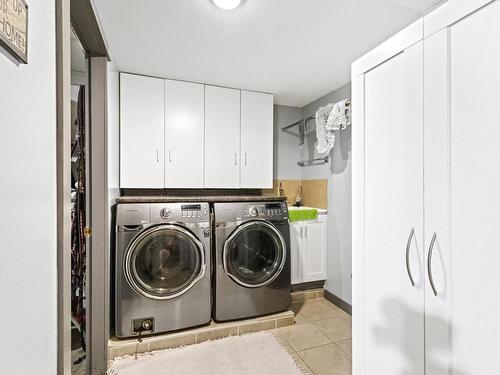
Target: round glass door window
[[164, 262], [254, 254]]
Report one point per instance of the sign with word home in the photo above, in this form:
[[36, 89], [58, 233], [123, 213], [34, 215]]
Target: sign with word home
[[14, 28]]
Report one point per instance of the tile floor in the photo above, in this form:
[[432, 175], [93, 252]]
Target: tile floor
[[321, 338]]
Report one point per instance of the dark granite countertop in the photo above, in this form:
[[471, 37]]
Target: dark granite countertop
[[209, 199]]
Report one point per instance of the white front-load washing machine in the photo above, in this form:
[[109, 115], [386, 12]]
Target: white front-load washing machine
[[162, 267]]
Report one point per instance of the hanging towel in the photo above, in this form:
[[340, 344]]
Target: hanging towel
[[329, 119]]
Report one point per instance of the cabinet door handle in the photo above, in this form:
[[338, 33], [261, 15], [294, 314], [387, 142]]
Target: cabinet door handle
[[429, 264], [245, 158], [305, 232], [297, 256], [408, 245], [235, 159], [157, 156], [169, 156]]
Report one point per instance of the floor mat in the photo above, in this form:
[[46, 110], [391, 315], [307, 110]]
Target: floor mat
[[253, 354]]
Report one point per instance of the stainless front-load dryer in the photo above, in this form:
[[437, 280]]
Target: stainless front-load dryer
[[252, 259], [162, 267]]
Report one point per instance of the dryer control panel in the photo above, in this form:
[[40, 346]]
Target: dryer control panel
[[275, 210]]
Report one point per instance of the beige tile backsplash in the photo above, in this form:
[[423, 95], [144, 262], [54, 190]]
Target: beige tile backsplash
[[314, 192]]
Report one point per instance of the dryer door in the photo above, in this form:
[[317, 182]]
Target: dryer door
[[164, 262], [254, 254]]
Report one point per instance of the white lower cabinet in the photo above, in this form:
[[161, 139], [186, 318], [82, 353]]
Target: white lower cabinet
[[308, 250], [426, 208]]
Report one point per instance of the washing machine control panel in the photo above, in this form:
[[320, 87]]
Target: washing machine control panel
[[193, 211]]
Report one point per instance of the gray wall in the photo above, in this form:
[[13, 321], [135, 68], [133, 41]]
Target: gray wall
[[28, 202], [338, 173], [286, 150]]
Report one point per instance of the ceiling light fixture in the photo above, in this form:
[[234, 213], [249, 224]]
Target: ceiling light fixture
[[227, 4]]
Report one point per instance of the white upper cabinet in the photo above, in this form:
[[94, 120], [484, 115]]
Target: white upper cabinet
[[256, 140], [141, 132], [184, 134], [222, 137]]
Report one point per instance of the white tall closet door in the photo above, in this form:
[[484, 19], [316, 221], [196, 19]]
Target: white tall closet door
[[141, 132], [222, 137], [393, 206], [184, 134], [475, 192], [256, 140], [437, 202]]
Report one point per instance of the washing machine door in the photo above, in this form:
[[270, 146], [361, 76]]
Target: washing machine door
[[164, 262], [254, 254]]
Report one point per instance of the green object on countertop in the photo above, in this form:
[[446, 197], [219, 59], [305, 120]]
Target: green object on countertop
[[302, 214]]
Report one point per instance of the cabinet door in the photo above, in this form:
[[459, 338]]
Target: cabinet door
[[296, 252], [437, 202], [394, 215], [141, 132], [256, 140], [222, 137], [315, 251], [184, 134], [475, 187]]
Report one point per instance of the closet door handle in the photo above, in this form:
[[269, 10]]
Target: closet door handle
[[408, 245], [169, 156], [235, 159], [245, 158], [157, 156], [429, 264]]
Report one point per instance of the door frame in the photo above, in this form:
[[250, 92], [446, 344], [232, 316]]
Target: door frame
[[80, 15]]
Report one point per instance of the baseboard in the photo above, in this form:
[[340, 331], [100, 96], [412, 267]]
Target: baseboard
[[308, 286], [340, 303]]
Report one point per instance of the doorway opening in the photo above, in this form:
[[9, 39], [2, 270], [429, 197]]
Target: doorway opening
[[79, 206]]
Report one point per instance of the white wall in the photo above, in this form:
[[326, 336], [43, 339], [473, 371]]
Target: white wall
[[28, 250]]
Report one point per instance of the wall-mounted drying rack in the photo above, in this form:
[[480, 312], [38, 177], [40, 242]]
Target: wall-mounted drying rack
[[303, 126], [317, 161], [303, 131]]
